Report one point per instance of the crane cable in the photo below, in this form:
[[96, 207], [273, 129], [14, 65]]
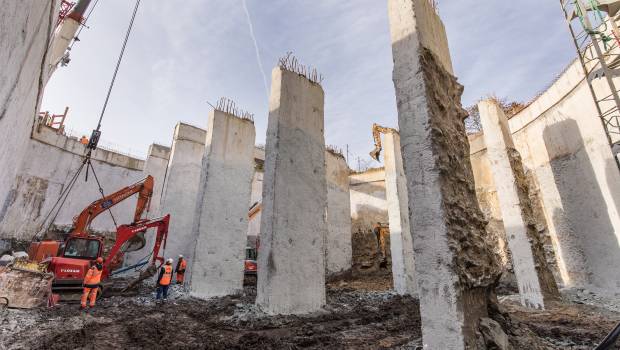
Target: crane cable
[[92, 145]]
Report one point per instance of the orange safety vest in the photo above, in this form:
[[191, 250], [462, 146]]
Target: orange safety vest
[[182, 267], [93, 276], [167, 276]]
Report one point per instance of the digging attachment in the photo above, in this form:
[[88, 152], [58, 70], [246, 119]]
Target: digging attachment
[[23, 287]]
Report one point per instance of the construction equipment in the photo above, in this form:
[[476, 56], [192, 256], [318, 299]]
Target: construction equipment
[[377, 130], [69, 260], [381, 231]]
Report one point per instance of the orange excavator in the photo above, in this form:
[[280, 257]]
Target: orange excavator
[[70, 259]]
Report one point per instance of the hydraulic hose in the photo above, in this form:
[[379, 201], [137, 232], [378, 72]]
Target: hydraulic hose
[[610, 339]]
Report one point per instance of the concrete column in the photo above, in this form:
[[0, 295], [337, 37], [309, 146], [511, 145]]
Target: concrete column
[[156, 165], [534, 279], [338, 242], [454, 266], [181, 189], [221, 220], [291, 258], [401, 245]]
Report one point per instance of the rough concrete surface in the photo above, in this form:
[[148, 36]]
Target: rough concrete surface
[[338, 239], [455, 267], [25, 31], [181, 189], [535, 280], [401, 245], [564, 146], [50, 162], [221, 215], [291, 258]]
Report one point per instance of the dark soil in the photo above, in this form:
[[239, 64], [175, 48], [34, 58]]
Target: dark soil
[[361, 314]]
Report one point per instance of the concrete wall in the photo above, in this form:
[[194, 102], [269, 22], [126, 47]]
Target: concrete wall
[[291, 258], [156, 165], [25, 30], [49, 163], [181, 189], [368, 201], [338, 240], [401, 245], [563, 144], [221, 216]]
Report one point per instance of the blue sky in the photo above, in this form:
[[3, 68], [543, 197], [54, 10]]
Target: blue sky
[[185, 53]]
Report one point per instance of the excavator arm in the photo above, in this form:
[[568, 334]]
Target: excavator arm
[[144, 188], [125, 233], [377, 130]]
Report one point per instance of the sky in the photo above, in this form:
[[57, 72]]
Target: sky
[[184, 54]]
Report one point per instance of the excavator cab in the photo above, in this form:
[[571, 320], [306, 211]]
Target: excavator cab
[[83, 248]]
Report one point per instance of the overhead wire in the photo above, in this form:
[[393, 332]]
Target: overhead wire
[[94, 137]]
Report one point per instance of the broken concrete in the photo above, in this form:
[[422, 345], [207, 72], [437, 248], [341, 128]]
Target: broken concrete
[[291, 258], [221, 220], [181, 188], [455, 268], [401, 245], [338, 240], [534, 278]]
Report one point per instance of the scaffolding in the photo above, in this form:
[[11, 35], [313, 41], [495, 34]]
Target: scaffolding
[[593, 26]]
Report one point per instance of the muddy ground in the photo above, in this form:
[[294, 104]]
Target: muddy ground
[[361, 314]]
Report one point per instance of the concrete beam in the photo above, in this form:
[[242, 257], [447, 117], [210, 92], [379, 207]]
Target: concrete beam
[[534, 278], [221, 219], [401, 245], [181, 189], [338, 242], [455, 269], [291, 258]]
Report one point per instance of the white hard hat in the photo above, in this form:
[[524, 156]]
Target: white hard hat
[[180, 255], [169, 261]]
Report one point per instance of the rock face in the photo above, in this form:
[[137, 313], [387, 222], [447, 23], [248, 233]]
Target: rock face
[[455, 266]]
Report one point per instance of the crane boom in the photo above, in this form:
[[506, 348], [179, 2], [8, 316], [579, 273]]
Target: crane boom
[[144, 188]]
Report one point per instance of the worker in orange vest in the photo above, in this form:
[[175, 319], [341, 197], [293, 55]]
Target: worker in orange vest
[[84, 140], [180, 269], [91, 283], [164, 279]]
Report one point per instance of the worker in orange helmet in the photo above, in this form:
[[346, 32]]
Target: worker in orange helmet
[[91, 283], [164, 279], [180, 269]]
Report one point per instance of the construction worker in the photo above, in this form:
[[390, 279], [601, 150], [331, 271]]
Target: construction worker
[[84, 140], [164, 279], [180, 269], [91, 283]]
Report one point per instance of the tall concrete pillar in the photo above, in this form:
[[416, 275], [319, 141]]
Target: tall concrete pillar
[[338, 242], [156, 165], [291, 258], [534, 278], [221, 219], [401, 245], [454, 266], [181, 189]]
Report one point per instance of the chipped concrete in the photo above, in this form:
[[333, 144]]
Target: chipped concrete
[[534, 279], [291, 257], [221, 215], [455, 267]]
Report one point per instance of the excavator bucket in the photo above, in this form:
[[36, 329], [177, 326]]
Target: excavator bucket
[[25, 286], [375, 153]]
